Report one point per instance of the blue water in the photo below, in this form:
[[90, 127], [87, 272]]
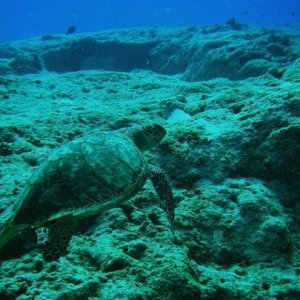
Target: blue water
[[21, 19]]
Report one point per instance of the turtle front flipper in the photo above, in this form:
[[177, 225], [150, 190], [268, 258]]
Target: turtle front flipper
[[54, 239], [163, 189]]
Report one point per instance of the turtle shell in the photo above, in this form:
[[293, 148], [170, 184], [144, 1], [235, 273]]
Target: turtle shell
[[83, 178]]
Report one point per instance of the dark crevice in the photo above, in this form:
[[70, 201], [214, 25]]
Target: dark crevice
[[91, 54]]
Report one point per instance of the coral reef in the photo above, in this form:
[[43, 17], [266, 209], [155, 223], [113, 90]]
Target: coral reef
[[231, 152]]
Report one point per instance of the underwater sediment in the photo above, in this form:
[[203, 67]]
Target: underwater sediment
[[230, 101]]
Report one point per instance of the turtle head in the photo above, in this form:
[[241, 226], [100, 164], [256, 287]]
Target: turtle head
[[148, 136]]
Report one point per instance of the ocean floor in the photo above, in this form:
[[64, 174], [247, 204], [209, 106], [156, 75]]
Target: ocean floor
[[229, 98]]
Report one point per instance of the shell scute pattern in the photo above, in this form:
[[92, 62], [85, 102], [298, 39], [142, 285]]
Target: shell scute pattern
[[117, 163], [87, 172], [82, 179]]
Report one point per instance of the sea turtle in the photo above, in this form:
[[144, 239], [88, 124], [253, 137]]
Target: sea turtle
[[84, 178]]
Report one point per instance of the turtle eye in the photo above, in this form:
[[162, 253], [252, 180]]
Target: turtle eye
[[156, 132]]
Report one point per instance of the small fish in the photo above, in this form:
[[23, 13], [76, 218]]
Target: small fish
[[71, 30], [293, 13]]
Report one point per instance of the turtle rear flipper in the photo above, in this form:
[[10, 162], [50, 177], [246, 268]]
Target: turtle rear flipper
[[54, 239], [8, 229], [163, 189]]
